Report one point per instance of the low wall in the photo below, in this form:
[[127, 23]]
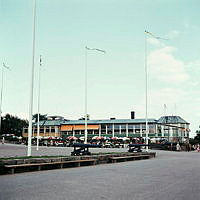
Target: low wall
[[101, 159]]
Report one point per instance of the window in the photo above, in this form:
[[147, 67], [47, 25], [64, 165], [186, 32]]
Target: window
[[137, 126], [41, 130], [25, 130], [103, 126], [123, 126], [131, 126], [47, 129], [116, 126], [52, 129]]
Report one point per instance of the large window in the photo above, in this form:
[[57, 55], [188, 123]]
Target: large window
[[137, 126], [109, 126], [123, 126], [131, 126], [103, 126], [47, 129], [41, 130], [53, 129], [116, 126]]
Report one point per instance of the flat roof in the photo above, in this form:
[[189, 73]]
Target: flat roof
[[162, 120], [110, 121]]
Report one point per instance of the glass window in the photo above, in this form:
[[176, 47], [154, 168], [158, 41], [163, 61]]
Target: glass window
[[52, 130], [116, 126], [123, 126], [131, 126], [41, 130], [109, 126], [47, 129], [103, 126], [152, 126], [137, 126], [144, 126]]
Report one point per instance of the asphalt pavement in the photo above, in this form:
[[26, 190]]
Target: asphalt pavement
[[15, 150], [169, 176]]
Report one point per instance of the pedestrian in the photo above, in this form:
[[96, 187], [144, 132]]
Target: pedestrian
[[3, 140], [198, 148], [178, 147]]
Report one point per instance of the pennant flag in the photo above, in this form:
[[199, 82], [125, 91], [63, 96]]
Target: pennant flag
[[94, 49]]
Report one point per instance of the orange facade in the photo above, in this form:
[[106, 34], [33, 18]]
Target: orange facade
[[78, 127], [43, 134]]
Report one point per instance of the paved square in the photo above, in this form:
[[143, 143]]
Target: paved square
[[169, 176]]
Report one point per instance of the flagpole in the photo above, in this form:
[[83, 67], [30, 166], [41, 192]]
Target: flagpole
[[1, 95], [146, 83], [32, 82], [146, 97], [86, 131], [38, 115], [1, 98], [86, 59]]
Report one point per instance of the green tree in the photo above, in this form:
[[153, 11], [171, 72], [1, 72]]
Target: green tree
[[12, 125], [41, 117]]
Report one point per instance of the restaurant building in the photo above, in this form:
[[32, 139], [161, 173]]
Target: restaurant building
[[172, 128]]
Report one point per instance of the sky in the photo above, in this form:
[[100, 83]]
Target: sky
[[116, 79]]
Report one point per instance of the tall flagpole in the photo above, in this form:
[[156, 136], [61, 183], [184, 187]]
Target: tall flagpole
[[38, 115], [31, 84], [2, 80], [86, 131], [86, 123], [146, 97], [1, 95], [146, 84]]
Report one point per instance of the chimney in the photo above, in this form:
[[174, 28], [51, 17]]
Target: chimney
[[112, 118], [132, 115]]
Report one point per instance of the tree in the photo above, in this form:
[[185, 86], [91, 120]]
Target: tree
[[196, 139], [41, 117], [12, 125]]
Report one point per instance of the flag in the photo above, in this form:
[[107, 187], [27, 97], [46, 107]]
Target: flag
[[94, 49], [158, 38]]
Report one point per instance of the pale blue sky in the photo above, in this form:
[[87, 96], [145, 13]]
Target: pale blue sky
[[116, 79]]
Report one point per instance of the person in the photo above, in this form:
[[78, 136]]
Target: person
[[171, 146], [3, 140], [198, 148], [178, 147], [190, 147]]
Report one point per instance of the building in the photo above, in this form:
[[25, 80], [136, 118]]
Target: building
[[172, 128], [48, 128]]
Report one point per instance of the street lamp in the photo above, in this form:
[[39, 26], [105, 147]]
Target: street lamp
[[86, 50], [38, 115], [31, 83], [2, 77], [146, 83]]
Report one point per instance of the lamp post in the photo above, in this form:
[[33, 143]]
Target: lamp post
[[31, 83], [2, 78], [86, 51], [38, 115], [146, 84]]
